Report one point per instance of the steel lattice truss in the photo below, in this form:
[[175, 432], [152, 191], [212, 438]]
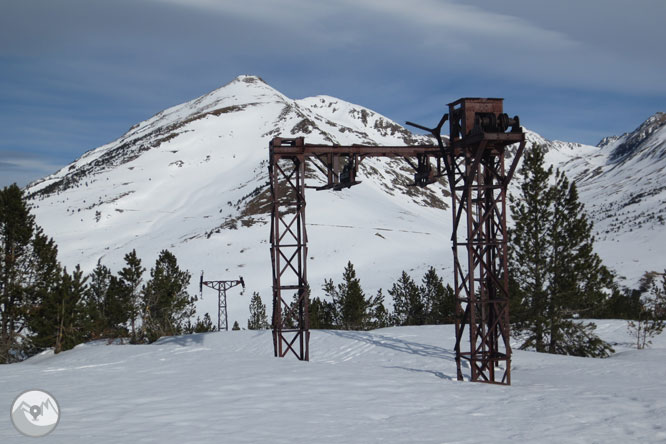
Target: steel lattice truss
[[221, 287], [474, 162], [288, 255], [479, 180]]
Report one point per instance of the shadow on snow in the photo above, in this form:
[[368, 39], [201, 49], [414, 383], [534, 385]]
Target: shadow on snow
[[400, 345]]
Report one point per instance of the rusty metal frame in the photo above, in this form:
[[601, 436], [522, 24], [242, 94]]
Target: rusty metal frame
[[474, 161], [291, 323], [288, 237], [478, 179]]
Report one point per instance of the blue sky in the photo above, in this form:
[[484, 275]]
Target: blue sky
[[76, 74]]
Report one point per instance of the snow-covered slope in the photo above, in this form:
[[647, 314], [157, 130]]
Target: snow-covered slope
[[622, 182], [393, 385], [193, 179]]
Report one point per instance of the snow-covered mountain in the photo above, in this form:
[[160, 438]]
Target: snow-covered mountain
[[623, 185], [193, 179]]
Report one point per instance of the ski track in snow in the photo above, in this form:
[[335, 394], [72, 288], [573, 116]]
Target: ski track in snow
[[394, 385]]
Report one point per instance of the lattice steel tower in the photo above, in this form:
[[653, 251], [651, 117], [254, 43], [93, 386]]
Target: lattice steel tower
[[221, 287], [478, 178]]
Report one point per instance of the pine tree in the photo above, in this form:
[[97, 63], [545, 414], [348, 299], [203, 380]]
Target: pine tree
[[131, 277], [16, 231], [578, 274], [236, 326], [659, 295], [258, 319], [622, 304], [322, 314], [108, 304], [95, 297], [72, 329], [650, 320], [59, 319], [117, 309], [28, 270], [439, 301], [554, 273], [204, 325], [165, 305], [350, 302], [529, 253], [378, 315], [408, 304]]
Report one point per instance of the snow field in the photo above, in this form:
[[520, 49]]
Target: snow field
[[394, 385]]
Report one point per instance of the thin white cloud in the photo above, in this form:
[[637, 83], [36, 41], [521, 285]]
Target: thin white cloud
[[448, 36], [23, 168], [446, 19], [20, 161], [445, 37], [289, 12], [461, 22]]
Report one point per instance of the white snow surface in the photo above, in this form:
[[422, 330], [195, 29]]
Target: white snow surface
[[394, 385], [184, 178]]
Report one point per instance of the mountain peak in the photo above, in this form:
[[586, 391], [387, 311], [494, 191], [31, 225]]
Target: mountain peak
[[608, 140], [658, 116], [631, 143], [248, 78], [244, 88]]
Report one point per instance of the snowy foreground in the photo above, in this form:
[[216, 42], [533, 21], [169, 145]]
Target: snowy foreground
[[393, 385]]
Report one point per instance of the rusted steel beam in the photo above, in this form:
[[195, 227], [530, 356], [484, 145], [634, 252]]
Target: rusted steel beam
[[289, 147]]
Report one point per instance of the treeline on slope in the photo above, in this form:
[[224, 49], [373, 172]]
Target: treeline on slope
[[43, 305], [345, 305]]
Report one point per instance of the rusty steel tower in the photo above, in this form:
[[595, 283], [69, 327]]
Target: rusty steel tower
[[288, 237], [289, 251], [478, 178], [474, 162]]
